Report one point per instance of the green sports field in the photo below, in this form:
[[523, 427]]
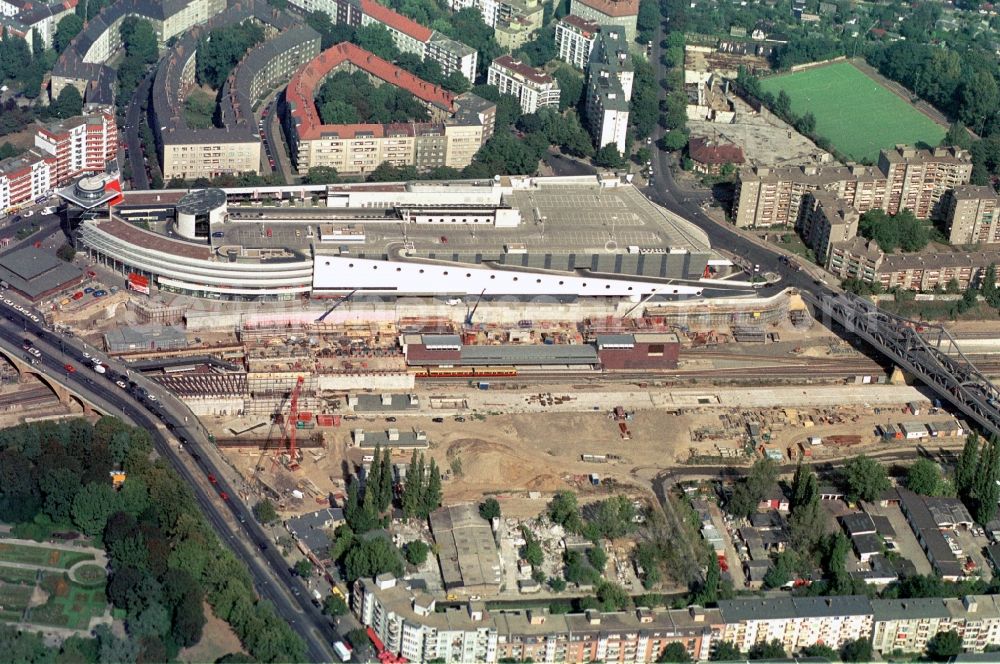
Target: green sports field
[[857, 114]]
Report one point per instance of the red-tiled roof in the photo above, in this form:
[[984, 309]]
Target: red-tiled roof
[[615, 8], [395, 21], [703, 151], [525, 70], [300, 90], [580, 23]]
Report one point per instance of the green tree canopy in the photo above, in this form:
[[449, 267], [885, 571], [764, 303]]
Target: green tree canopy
[[372, 556], [923, 477], [944, 645], [69, 26], [866, 478], [416, 552]]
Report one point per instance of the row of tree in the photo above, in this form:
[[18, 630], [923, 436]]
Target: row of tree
[[163, 557], [361, 546], [976, 475]]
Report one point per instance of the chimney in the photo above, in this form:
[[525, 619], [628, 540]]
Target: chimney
[[697, 613], [593, 616]]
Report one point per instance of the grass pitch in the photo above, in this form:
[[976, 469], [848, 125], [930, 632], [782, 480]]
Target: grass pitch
[[857, 114]]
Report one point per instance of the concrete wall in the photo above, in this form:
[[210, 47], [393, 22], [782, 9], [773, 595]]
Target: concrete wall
[[369, 381]]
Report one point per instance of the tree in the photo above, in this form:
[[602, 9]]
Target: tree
[[611, 518], [965, 469], [416, 552], [609, 157], [781, 573], [69, 102], [571, 86], [772, 649], [321, 175], [565, 511], [923, 477], [725, 651], [375, 38], [556, 584], [489, 509], [265, 512], [372, 556], [820, 650], [675, 651], [612, 596], [385, 482], [859, 650], [944, 645], [189, 619], [987, 491], [413, 487], [334, 605], [92, 506], [866, 478], [432, 492], [532, 550], [304, 568], [69, 26]]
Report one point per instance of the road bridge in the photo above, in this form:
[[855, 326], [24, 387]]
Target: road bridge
[[926, 350], [66, 396]]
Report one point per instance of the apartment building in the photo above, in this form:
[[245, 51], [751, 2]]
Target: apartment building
[[905, 178], [409, 624], [621, 13], [856, 258], [575, 37], [826, 218], [514, 22], [84, 144], [973, 216], [23, 179], [39, 18], [83, 63], [908, 624], [861, 259], [796, 622], [457, 129], [408, 35], [533, 88], [63, 150], [609, 88]]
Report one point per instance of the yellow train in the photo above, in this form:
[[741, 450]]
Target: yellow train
[[462, 372]]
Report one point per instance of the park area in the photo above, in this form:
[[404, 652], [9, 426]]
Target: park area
[[856, 113], [51, 586]]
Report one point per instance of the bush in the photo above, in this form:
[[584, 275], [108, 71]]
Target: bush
[[416, 552]]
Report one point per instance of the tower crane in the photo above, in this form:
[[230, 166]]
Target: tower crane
[[292, 422]]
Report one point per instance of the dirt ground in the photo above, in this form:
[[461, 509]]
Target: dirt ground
[[217, 639], [523, 458]]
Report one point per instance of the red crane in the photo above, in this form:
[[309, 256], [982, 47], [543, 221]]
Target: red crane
[[292, 423]]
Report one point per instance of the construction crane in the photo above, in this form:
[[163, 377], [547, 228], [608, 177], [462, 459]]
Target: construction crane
[[335, 305], [472, 312], [292, 422]]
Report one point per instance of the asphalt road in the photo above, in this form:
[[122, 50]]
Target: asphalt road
[[665, 191], [47, 225], [133, 119], [232, 520]]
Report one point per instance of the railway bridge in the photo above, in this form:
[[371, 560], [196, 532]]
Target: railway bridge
[[925, 350]]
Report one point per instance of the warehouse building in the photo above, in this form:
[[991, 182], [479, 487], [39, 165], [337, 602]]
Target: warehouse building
[[36, 274], [125, 339], [467, 552]]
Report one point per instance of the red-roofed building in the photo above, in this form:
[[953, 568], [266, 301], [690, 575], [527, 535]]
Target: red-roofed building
[[411, 37], [458, 127], [624, 13], [710, 156]]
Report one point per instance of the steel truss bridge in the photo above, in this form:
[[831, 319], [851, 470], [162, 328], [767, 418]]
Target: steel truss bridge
[[925, 350]]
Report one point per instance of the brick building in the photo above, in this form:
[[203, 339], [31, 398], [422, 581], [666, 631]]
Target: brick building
[[638, 351]]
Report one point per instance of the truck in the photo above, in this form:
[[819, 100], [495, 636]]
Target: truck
[[343, 651]]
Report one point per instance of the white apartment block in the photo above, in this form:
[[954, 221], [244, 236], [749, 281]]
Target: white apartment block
[[427, 44], [609, 88], [575, 38], [533, 88], [797, 622]]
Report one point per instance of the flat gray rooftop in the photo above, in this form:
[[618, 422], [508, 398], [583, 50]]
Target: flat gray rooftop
[[563, 227], [34, 272]]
